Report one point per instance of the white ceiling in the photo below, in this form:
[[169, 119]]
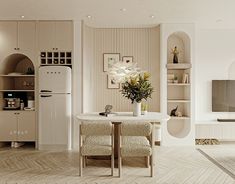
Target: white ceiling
[[106, 13]]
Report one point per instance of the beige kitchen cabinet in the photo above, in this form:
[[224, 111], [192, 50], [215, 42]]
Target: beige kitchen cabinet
[[26, 35], [26, 126], [16, 36], [8, 36], [17, 126], [55, 35], [8, 126]]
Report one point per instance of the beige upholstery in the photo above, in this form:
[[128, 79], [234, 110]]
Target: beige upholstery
[[135, 146], [97, 145], [134, 143], [96, 128], [136, 128], [96, 139]]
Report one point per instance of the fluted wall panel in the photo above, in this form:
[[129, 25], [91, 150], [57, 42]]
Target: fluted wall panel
[[141, 43]]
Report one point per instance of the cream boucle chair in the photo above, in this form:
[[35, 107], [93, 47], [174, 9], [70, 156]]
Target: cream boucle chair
[[96, 139], [133, 142]]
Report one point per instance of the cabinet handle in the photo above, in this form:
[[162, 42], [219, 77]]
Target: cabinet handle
[[14, 48], [56, 49]]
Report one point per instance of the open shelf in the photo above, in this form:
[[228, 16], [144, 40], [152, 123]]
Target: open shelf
[[17, 90], [179, 66], [17, 80], [178, 101], [180, 118], [17, 75], [178, 84]]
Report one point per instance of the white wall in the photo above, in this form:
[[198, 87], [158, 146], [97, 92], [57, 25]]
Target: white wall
[[77, 81], [215, 54]]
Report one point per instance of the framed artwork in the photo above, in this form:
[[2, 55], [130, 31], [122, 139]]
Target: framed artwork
[[112, 84], [127, 59], [110, 60]]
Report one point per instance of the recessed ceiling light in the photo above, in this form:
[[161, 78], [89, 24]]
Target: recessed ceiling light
[[152, 16], [89, 16], [22, 16], [123, 9]]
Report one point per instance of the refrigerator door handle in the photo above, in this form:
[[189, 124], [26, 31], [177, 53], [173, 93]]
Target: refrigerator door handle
[[46, 91], [44, 96]]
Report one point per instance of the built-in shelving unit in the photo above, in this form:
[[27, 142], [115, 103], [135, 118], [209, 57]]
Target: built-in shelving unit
[[56, 58], [177, 83], [17, 76]]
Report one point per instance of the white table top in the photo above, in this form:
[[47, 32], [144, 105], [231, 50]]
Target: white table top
[[124, 116]]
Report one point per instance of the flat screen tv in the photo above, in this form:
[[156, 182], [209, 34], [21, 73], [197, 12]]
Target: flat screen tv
[[223, 95]]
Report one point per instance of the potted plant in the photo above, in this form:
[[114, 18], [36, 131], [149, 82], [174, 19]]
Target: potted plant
[[137, 88], [175, 79]]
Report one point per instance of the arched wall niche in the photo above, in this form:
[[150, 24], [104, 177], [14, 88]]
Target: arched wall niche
[[16, 63], [182, 41]]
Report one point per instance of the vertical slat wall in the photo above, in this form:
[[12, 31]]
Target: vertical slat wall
[[141, 43]]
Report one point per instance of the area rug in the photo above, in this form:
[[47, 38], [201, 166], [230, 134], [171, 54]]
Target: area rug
[[224, 158]]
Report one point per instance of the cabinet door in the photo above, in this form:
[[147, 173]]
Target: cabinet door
[[8, 35], [26, 126], [26, 35], [46, 38], [8, 126], [64, 35]]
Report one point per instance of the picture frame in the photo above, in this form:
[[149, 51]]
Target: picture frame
[[111, 84], [110, 59], [127, 59]]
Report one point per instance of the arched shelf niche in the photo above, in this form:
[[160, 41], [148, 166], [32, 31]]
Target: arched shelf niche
[[182, 41], [16, 63], [179, 95]]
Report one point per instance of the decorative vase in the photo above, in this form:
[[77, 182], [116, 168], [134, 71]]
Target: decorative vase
[[137, 109], [175, 59]]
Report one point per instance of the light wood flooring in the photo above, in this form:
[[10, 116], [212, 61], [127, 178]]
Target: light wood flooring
[[173, 166]]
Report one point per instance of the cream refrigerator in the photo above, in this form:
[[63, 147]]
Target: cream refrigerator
[[55, 107]]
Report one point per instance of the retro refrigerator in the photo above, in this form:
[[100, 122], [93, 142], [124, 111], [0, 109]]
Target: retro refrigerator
[[55, 107]]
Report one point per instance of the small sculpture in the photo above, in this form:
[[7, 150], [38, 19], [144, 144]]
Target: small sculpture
[[108, 109], [107, 112], [173, 112], [175, 53]]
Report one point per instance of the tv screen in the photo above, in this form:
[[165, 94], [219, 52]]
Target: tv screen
[[223, 95]]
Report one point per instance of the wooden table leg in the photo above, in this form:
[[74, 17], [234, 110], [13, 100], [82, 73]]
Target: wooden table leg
[[117, 131]]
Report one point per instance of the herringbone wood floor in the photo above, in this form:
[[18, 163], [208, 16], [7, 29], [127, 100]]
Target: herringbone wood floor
[[173, 166]]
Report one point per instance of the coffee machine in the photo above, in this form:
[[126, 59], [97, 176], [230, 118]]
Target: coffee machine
[[12, 100]]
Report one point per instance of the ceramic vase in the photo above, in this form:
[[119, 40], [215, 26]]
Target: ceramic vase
[[137, 108]]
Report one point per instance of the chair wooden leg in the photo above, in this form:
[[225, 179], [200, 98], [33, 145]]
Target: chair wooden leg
[[147, 161], [152, 166], [84, 161], [119, 166], [80, 165], [112, 164]]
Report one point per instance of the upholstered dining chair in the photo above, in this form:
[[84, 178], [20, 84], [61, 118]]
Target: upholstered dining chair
[[134, 142], [96, 139]]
